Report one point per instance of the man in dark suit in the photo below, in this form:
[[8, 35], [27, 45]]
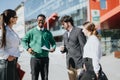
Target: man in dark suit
[[74, 41]]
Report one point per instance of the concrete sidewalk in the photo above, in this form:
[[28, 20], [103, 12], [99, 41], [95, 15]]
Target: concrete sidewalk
[[58, 71], [110, 66], [57, 67]]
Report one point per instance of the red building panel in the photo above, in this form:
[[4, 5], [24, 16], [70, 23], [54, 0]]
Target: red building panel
[[110, 15]]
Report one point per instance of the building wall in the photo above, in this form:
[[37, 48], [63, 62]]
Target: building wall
[[77, 9], [109, 25], [94, 5], [20, 26], [111, 4]]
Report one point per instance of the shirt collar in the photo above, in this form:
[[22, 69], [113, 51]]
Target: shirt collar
[[8, 28], [70, 30], [40, 28]]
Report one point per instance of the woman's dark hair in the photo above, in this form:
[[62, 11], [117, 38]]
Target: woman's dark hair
[[67, 18], [91, 28], [6, 16]]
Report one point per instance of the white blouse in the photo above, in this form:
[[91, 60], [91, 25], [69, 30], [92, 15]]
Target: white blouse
[[12, 45], [92, 49]]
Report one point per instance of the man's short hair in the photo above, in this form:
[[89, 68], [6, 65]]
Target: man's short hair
[[41, 15], [67, 18]]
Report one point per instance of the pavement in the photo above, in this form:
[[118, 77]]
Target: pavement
[[58, 71], [111, 66]]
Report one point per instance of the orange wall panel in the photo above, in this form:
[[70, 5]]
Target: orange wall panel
[[94, 4], [111, 4]]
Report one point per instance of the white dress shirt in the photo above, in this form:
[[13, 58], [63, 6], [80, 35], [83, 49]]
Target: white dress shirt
[[12, 44], [69, 32], [92, 49]]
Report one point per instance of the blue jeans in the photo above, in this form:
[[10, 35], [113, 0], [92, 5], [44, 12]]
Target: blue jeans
[[3, 69]]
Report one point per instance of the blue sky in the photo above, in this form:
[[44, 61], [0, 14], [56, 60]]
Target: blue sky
[[9, 4]]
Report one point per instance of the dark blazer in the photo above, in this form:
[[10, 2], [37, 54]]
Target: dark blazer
[[74, 47]]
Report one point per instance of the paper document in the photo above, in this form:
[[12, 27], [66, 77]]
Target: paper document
[[45, 48]]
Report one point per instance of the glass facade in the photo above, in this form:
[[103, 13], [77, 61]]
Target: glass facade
[[110, 40], [76, 8]]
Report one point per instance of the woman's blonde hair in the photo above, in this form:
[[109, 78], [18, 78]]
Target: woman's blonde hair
[[91, 28]]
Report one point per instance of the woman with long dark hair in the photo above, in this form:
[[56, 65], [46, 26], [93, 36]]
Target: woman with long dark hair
[[9, 46]]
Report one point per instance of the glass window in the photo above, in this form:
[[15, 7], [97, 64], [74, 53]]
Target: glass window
[[76, 9], [103, 4]]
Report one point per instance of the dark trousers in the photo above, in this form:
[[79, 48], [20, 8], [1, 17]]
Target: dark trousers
[[39, 65], [12, 72], [89, 74], [8, 70]]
